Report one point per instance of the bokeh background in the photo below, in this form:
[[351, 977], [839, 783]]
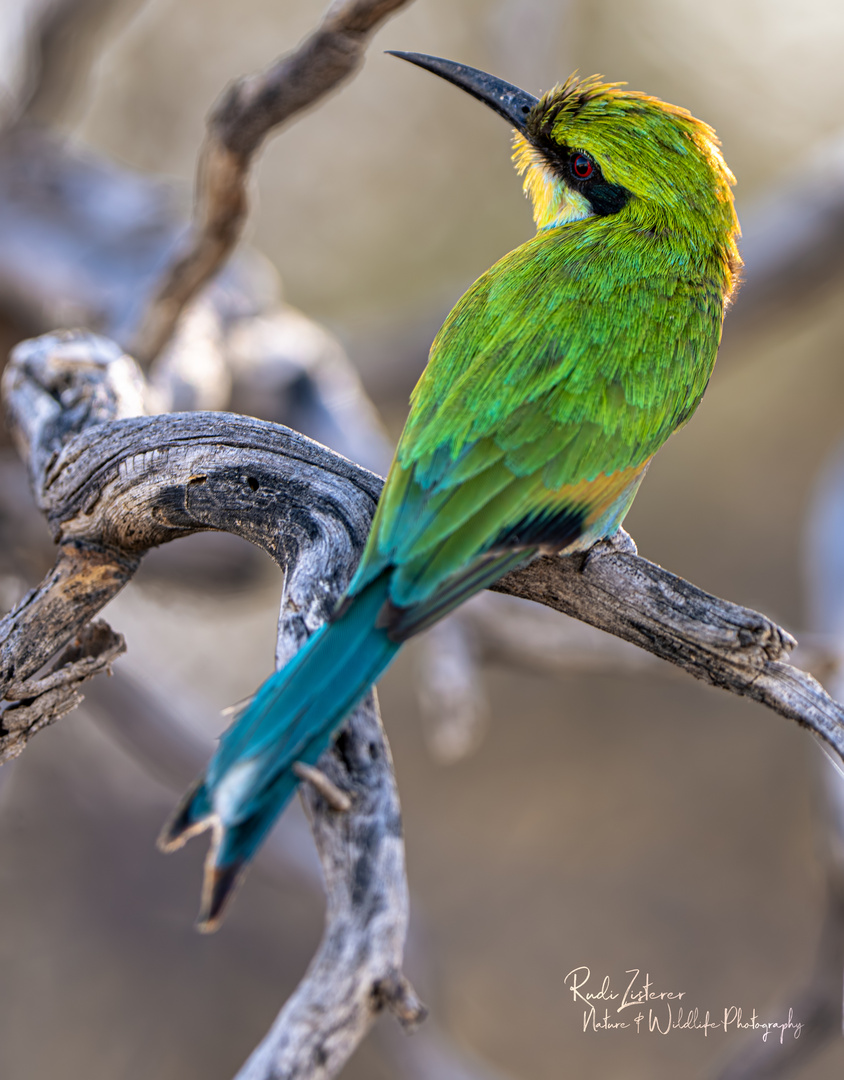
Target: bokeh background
[[612, 820]]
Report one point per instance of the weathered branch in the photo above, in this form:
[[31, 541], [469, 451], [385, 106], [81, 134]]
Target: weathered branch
[[730, 646], [240, 121], [170, 741], [118, 488], [111, 490], [157, 485], [34, 703]]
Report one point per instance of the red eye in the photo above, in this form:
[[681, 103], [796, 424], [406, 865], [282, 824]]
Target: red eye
[[582, 167]]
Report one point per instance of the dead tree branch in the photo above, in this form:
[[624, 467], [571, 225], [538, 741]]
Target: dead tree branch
[[113, 489], [168, 740], [240, 121], [112, 485], [724, 644]]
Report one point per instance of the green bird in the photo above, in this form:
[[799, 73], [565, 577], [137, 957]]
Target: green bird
[[549, 388]]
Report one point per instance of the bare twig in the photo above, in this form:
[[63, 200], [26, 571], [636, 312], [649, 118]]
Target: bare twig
[[240, 121], [338, 800]]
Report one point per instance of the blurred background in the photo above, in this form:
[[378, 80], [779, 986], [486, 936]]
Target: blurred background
[[609, 818]]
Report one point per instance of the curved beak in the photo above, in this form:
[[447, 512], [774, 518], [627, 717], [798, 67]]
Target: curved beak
[[507, 100]]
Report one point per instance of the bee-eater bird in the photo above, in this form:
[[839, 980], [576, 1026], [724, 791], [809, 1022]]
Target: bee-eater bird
[[549, 388]]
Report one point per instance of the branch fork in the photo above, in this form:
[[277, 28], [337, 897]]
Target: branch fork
[[113, 485], [113, 481]]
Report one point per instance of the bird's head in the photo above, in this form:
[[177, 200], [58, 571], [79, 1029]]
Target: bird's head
[[592, 149]]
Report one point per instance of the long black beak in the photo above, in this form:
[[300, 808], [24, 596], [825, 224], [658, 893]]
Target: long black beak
[[507, 100]]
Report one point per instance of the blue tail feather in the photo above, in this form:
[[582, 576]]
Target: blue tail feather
[[292, 718], [328, 676], [294, 715]]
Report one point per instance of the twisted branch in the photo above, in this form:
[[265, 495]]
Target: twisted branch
[[112, 485]]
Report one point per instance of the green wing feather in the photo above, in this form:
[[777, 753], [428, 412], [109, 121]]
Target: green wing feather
[[564, 365]]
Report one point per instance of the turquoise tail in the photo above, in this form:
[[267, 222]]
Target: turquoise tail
[[293, 717]]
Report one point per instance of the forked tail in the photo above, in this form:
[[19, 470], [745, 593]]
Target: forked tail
[[292, 718]]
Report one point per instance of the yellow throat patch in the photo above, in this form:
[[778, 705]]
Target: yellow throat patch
[[554, 202]]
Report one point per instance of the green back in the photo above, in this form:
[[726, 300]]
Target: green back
[[571, 360]]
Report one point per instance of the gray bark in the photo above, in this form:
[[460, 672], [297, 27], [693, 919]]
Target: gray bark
[[112, 483]]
